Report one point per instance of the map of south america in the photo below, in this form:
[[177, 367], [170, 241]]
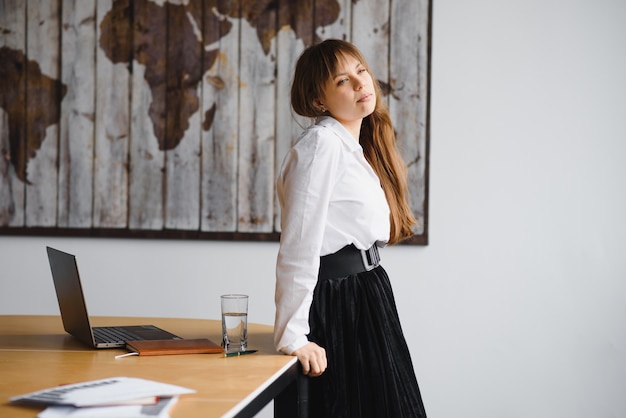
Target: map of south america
[[21, 78]]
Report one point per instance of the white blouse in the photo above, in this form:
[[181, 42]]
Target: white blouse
[[329, 197]]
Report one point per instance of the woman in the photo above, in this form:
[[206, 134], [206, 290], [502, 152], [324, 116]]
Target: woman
[[343, 193]]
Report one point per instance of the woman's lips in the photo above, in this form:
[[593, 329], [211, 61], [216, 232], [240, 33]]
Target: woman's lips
[[365, 98]]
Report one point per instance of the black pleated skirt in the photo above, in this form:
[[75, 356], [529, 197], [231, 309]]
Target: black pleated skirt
[[370, 372]]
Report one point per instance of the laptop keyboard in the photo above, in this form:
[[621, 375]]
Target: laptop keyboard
[[114, 335]]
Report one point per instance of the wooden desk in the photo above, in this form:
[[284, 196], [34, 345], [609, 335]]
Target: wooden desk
[[36, 353]]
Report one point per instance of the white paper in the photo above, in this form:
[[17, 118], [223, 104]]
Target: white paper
[[158, 410], [102, 392]]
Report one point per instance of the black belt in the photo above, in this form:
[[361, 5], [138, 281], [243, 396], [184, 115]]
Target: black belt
[[349, 260]]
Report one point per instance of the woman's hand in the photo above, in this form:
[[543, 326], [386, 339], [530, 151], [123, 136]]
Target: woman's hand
[[312, 357]]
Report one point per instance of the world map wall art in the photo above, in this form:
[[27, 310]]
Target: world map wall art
[[170, 119]]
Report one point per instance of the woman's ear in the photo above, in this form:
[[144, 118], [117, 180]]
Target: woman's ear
[[319, 106]]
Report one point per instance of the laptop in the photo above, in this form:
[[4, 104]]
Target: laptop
[[74, 310]]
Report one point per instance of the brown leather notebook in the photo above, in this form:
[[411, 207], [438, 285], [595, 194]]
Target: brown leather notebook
[[163, 347]]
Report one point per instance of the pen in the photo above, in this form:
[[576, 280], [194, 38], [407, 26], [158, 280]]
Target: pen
[[239, 353]]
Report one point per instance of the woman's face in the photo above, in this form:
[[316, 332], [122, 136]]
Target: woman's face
[[349, 95]]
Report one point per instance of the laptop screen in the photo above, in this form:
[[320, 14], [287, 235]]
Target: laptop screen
[[70, 295]]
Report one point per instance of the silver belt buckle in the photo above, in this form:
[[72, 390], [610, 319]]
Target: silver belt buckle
[[370, 257]]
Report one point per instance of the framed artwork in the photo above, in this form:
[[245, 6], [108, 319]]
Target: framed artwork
[[169, 119]]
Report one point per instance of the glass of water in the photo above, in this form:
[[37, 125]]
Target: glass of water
[[234, 322]]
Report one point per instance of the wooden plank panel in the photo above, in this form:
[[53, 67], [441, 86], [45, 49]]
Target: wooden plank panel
[[7, 207], [182, 160], [296, 32], [112, 130], [220, 108], [12, 118], [43, 104], [418, 172], [75, 197], [408, 52], [257, 131], [370, 34], [148, 117]]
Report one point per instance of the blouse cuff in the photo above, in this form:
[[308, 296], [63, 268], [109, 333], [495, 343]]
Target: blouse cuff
[[300, 342]]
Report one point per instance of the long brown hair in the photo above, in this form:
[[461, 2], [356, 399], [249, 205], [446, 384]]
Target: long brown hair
[[314, 68]]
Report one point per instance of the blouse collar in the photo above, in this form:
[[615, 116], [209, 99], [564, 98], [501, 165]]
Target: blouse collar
[[340, 130]]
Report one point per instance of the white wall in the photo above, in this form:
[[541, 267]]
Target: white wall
[[517, 308]]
